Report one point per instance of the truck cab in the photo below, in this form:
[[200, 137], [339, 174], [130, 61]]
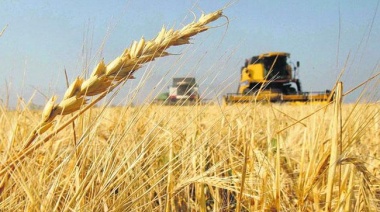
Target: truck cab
[[184, 89]]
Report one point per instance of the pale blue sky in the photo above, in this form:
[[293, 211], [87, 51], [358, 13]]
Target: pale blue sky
[[45, 37]]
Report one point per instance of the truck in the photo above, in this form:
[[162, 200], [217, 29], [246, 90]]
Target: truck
[[183, 91]]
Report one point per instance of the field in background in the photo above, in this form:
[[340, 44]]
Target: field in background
[[252, 157]]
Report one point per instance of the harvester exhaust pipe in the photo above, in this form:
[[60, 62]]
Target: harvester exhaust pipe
[[298, 84]]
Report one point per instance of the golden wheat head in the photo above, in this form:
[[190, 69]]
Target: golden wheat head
[[105, 77]]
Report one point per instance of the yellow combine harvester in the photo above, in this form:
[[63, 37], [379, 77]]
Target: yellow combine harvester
[[270, 77]]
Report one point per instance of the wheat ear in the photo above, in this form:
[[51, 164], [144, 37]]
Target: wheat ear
[[104, 77]]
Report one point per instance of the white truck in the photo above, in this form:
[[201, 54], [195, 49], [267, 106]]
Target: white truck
[[183, 91]]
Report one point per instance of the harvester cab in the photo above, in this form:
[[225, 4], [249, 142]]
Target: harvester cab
[[273, 78]]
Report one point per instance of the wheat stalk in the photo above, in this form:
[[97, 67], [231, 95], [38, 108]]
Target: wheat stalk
[[104, 78], [3, 30], [335, 144]]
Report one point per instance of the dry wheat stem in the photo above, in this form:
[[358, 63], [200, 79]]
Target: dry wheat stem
[[3, 30], [335, 143]]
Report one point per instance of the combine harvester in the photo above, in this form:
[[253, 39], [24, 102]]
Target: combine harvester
[[270, 77], [184, 91]]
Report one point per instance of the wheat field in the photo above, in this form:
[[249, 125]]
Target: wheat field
[[77, 155], [257, 157]]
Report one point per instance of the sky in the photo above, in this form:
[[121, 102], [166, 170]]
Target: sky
[[43, 39]]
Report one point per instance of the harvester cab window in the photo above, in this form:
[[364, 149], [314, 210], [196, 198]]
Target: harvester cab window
[[254, 60], [276, 67]]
